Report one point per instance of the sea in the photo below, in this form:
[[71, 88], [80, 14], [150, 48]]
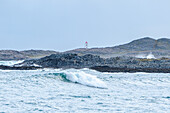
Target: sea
[[82, 91]]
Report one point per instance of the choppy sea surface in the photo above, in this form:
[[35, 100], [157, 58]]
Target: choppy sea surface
[[83, 91]]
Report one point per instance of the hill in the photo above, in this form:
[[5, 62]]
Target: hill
[[140, 48], [137, 48], [23, 55]]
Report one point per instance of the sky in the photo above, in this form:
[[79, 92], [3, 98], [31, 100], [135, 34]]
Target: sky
[[67, 24]]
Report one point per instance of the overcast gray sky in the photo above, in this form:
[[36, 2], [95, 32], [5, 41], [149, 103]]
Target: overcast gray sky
[[66, 24]]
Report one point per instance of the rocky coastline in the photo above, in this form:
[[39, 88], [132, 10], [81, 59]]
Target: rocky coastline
[[114, 64], [141, 55]]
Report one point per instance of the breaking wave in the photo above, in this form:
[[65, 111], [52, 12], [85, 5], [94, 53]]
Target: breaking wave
[[10, 63], [80, 77]]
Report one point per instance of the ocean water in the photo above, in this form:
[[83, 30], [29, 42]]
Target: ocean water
[[83, 91], [10, 63]]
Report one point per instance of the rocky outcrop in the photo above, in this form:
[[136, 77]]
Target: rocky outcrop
[[18, 68], [130, 70], [66, 61], [115, 64]]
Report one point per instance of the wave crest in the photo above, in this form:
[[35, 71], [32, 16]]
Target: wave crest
[[80, 77]]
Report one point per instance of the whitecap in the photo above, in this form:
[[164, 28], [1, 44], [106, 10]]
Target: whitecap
[[78, 76]]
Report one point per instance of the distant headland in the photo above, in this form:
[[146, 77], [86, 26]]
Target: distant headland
[[142, 55], [140, 48]]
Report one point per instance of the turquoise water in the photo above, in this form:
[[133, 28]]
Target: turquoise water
[[83, 91]]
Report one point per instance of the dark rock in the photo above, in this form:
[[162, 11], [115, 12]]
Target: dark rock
[[130, 70], [18, 68], [115, 64]]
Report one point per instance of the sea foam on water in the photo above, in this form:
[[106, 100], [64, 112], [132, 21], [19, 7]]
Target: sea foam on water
[[78, 76]]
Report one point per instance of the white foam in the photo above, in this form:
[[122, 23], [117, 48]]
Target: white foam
[[81, 77], [150, 56], [140, 56], [10, 63]]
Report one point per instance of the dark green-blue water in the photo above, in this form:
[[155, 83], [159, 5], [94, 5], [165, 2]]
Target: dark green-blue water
[[83, 91]]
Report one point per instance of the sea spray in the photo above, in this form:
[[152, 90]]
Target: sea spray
[[10, 63], [78, 76]]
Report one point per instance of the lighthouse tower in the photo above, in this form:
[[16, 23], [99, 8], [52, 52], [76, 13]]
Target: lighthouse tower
[[86, 44]]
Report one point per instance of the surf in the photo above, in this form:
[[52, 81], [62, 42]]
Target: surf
[[80, 77]]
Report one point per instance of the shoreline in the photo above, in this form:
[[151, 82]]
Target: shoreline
[[130, 70], [97, 68], [94, 62]]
